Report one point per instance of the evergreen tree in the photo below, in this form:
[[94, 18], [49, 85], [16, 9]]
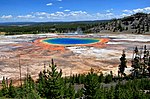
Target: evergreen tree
[[119, 27], [28, 89], [4, 87], [11, 90], [91, 85], [42, 88], [69, 92], [146, 55], [50, 82], [136, 63], [146, 60], [101, 78], [136, 50], [72, 79], [148, 68], [54, 82], [108, 78], [122, 65]]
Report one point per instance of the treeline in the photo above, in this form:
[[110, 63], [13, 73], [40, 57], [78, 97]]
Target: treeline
[[51, 85], [48, 28]]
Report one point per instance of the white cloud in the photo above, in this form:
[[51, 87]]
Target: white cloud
[[26, 16], [49, 4], [58, 14], [147, 8], [128, 11], [68, 15], [62, 16], [138, 10], [144, 10], [104, 14], [78, 13], [41, 13], [67, 10], [109, 14], [73, 16], [41, 17], [60, 7], [109, 10], [133, 11], [6, 16], [124, 15]]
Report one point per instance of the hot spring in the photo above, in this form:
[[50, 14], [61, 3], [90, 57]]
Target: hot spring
[[70, 41]]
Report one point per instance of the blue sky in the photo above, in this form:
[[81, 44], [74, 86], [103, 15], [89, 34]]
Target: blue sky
[[69, 10]]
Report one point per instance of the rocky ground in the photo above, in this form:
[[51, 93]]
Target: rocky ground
[[74, 59]]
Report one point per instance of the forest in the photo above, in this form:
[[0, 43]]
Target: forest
[[58, 27], [51, 84]]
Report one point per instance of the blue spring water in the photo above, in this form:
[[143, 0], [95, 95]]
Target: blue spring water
[[70, 41]]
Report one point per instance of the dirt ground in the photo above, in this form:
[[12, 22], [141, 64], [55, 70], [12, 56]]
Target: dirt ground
[[32, 57]]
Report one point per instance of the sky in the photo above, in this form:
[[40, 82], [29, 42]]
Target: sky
[[69, 10]]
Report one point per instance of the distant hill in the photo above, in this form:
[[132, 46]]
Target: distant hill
[[136, 23], [17, 23], [49, 23], [14, 28]]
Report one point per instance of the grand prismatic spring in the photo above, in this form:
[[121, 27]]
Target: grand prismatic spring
[[59, 43], [70, 41]]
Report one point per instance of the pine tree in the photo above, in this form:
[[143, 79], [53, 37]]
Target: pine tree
[[69, 92], [146, 60], [148, 65], [122, 65], [91, 85], [28, 89], [72, 79], [42, 88], [146, 54], [101, 78], [54, 82], [136, 62], [108, 78], [4, 87], [11, 90]]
